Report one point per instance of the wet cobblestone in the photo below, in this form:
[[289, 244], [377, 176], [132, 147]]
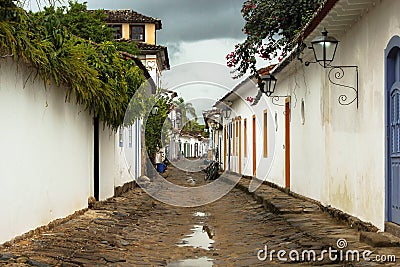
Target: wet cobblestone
[[136, 230]]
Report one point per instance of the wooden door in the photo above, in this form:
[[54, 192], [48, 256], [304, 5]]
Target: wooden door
[[225, 137], [240, 146], [393, 133], [394, 154]]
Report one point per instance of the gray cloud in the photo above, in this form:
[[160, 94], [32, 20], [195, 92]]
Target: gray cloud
[[174, 48], [186, 20]]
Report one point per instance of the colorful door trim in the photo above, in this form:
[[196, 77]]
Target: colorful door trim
[[287, 142]]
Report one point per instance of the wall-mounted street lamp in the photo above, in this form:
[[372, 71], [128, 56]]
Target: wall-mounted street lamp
[[155, 109], [213, 125], [266, 84], [226, 112], [324, 48]]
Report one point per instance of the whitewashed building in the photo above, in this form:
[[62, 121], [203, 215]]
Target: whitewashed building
[[335, 144], [54, 155], [191, 146], [247, 140], [131, 26], [46, 165]]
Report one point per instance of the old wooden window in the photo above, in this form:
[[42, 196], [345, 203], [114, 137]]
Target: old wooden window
[[137, 32], [117, 28]]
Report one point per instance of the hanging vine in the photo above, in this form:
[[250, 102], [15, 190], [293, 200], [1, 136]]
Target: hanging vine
[[96, 76], [270, 26]]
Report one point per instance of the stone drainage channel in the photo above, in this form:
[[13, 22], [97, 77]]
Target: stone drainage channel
[[201, 237]]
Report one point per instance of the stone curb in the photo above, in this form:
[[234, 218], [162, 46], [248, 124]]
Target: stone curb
[[378, 240], [275, 205], [286, 204], [43, 228], [118, 191]]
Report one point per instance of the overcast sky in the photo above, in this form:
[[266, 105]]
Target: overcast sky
[[193, 30]]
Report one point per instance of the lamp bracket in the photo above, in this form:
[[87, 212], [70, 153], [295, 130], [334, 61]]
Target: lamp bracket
[[307, 63], [276, 98], [337, 73]]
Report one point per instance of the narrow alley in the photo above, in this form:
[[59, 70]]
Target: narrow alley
[[200, 133], [135, 230]]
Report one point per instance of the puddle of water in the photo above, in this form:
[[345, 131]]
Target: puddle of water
[[200, 262], [200, 214], [198, 239]]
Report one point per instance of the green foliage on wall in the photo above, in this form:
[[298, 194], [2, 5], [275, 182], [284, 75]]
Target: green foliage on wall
[[158, 127], [96, 76], [270, 27], [85, 24]]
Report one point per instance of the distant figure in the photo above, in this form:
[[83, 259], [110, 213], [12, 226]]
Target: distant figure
[[159, 157]]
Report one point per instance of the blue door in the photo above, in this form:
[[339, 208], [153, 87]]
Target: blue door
[[392, 81], [394, 154]]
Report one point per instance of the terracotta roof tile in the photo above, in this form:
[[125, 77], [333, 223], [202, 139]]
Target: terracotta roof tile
[[149, 47], [266, 70], [130, 16]]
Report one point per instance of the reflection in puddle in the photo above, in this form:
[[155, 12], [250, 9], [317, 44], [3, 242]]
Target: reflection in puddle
[[200, 238], [200, 262]]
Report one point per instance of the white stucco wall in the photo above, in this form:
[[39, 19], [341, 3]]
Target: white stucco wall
[[243, 108], [307, 136], [338, 154], [107, 173], [127, 159], [190, 140], [46, 153]]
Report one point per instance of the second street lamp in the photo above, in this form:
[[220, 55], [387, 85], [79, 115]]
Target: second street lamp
[[226, 112], [267, 84], [213, 125], [155, 109]]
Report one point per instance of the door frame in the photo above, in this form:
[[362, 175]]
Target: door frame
[[392, 47], [240, 146], [230, 141], [225, 134], [287, 142], [254, 148]]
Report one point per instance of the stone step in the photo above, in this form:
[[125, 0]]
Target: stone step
[[392, 228], [381, 239]]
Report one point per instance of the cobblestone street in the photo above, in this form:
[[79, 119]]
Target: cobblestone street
[[136, 230]]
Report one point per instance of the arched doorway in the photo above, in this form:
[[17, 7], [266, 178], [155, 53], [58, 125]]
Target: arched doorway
[[392, 90]]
